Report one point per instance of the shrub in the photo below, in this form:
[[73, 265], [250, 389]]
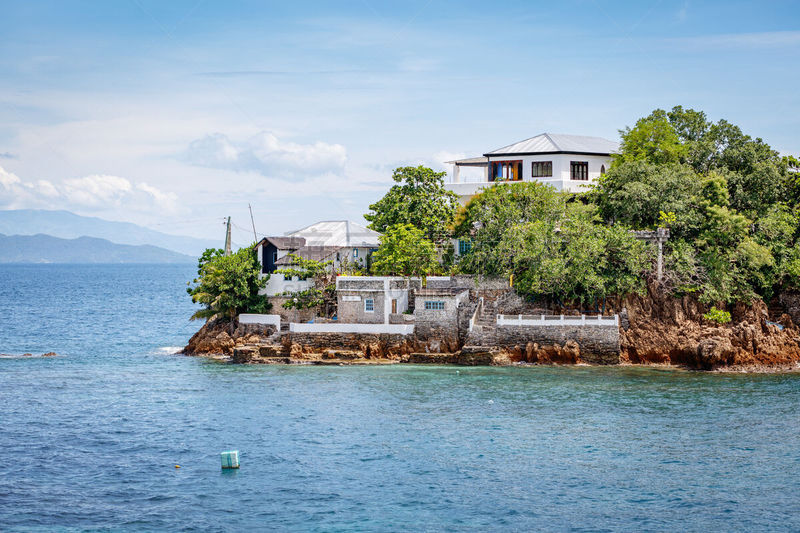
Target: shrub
[[718, 315]]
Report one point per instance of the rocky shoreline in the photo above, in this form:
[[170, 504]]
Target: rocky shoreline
[[655, 329]]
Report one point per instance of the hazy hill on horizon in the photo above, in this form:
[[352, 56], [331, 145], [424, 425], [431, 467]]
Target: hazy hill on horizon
[[68, 225], [48, 249]]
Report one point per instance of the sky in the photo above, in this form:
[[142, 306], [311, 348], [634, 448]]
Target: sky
[[176, 114]]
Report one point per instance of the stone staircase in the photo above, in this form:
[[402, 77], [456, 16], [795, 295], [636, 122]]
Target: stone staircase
[[484, 330]]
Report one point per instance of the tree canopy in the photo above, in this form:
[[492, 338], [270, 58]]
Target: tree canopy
[[419, 199], [404, 251], [731, 203], [492, 213], [554, 249], [228, 285]]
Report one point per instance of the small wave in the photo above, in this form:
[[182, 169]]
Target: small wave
[[168, 350]]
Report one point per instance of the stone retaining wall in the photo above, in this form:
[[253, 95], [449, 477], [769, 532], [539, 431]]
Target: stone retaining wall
[[598, 344], [371, 345]]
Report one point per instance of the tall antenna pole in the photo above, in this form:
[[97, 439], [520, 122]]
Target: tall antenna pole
[[255, 236], [228, 238]]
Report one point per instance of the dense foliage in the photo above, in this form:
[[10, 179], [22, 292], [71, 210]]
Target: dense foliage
[[419, 199], [553, 248], [404, 251], [228, 285], [729, 200]]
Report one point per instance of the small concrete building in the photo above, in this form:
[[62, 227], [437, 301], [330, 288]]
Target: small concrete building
[[371, 299], [439, 306]]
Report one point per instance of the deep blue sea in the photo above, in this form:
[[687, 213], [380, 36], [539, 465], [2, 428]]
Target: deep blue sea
[[89, 440]]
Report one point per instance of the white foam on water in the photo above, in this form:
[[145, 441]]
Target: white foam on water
[[168, 350]]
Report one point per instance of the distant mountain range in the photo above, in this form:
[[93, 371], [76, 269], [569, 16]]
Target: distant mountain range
[[66, 225], [49, 249]]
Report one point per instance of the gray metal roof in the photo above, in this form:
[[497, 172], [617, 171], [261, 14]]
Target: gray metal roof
[[556, 142], [470, 161], [315, 253], [285, 243], [338, 233]]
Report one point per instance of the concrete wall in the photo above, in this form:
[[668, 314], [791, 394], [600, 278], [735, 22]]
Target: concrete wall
[[372, 345], [440, 328], [375, 329], [251, 318], [351, 291], [278, 284], [353, 311], [598, 344], [290, 315]]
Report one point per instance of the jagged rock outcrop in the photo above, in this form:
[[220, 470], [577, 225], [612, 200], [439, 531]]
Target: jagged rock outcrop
[[221, 337], [668, 330]]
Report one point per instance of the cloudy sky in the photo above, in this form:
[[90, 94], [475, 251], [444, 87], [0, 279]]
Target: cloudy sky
[[175, 114]]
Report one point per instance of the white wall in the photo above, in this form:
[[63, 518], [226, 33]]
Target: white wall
[[278, 284], [560, 179], [252, 318]]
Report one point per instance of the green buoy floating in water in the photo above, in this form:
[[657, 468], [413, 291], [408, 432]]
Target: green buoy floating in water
[[230, 459]]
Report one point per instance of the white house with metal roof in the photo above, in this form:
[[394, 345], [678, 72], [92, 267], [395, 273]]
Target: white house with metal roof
[[567, 162], [338, 241]]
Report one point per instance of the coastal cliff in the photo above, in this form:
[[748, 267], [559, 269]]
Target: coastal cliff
[[662, 329], [655, 328], [221, 337]]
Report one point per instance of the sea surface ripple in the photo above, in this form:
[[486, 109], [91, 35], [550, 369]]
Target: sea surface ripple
[[90, 438]]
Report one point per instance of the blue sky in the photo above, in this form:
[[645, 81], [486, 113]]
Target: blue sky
[[175, 114]]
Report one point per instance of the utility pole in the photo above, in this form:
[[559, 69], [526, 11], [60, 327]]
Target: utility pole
[[255, 236], [228, 238]]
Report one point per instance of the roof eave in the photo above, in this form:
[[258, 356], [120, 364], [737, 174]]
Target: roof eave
[[606, 154]]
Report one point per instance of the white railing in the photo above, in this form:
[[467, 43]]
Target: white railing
[[397, 329], [557, 320], [251, 318], [476, 314]]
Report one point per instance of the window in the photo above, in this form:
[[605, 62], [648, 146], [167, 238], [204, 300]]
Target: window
[[505, 171], [542, 169], [274, 256], [579, 170], [369, 305], [602, 169], [355, 252], [464, 246], [434, 305]]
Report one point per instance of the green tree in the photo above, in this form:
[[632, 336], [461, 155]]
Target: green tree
[[734, 232], [404, 251], [419, 199], [636, 192], [228, 285], [574, 259], [491, 214], [652, 139]]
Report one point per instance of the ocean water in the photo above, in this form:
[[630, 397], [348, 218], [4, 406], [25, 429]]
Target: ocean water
[[90, 439]]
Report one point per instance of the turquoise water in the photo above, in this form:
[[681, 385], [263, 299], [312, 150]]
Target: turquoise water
[[89, 439]]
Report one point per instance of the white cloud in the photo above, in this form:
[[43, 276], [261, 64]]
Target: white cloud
[[89, 194], [96, 190], [266, 154], [165, 200], [7, 179]]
